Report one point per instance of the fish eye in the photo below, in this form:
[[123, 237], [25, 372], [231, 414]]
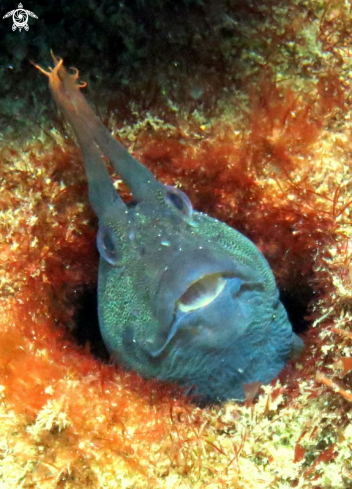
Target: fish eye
[[202, 292], [106, 243], [179, 200]]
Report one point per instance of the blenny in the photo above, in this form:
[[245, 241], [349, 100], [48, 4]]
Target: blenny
[[182, 297]]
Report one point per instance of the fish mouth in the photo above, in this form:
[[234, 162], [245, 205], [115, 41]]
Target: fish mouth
[[192, 280], [201, 292]]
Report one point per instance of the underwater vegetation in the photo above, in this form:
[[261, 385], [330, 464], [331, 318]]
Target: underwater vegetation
[[273, 160]]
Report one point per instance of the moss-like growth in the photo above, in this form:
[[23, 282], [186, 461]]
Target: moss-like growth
[[271, 158]]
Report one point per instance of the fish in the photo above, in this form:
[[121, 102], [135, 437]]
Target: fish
[[182, 297]]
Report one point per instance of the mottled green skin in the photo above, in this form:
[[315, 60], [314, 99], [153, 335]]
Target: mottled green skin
[[151, 253], [245, 344]]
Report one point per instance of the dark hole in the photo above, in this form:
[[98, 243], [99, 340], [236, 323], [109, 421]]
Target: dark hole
[[297, 307], [86, 330]]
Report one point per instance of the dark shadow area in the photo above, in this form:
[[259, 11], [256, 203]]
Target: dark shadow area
[[86, 325], [297, 307], [186, 51]]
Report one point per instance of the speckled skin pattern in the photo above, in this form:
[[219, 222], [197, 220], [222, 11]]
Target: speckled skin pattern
[[182, 297]]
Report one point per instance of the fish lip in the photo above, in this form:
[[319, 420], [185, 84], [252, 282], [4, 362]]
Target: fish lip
[[186, 268]]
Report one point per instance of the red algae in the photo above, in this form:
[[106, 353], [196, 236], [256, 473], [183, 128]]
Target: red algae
[[277, 169], [76, 407], [87, 415]]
